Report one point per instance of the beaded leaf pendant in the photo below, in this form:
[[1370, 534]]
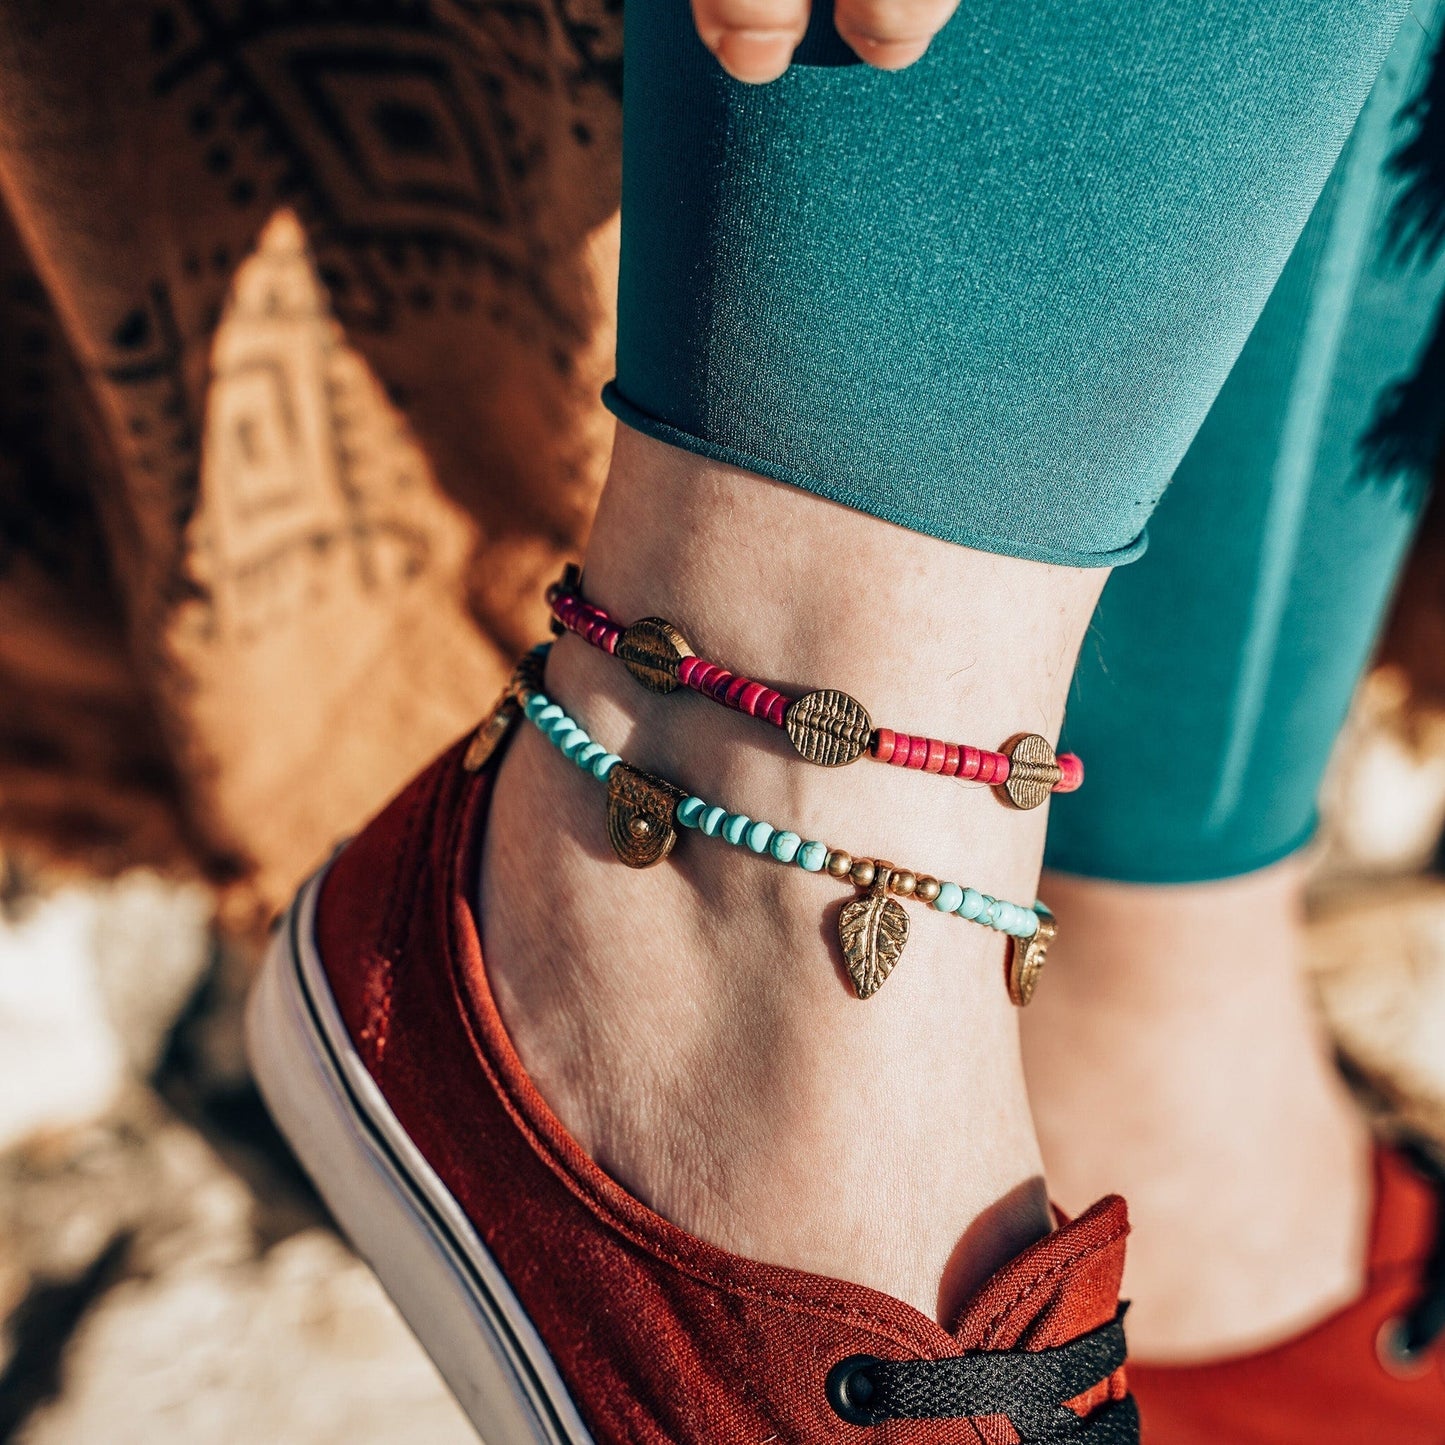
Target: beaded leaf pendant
[[872, 931]]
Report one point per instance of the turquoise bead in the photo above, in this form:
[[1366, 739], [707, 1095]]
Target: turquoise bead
[[604, 765], [1031, 924], [812, 856], [973, 903], [736, 827], [989, 916], [784, 846], [690, 811], [759, 836], [535, 705], [546, 714], [950, 895], [559, 727], [589, 755], [712, 820], [573, 742]]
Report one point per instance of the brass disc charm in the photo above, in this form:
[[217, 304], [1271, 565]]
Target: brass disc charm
[[872, 931], [640, 816], [1033, 771], [651, 650], [828, 727], [494, 727], [526, 677], [1027, 958]]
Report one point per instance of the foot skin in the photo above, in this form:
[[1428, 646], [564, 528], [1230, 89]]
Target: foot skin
[[1176, 1058], [692, 1024]]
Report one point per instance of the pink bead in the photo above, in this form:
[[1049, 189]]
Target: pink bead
[[933, 760], [952, 757], [749, 697], [884, 742], [1072, 767]]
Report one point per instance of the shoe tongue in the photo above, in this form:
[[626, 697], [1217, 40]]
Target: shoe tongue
[[1056, 1290]]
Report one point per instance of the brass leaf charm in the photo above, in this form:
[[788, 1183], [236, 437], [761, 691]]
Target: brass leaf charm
[[651, 651], [1027, 958], [1033, 771], [872, 931], [828, 727], [640, 815]]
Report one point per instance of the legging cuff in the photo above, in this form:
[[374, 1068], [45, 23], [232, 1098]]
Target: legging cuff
[[1163, 868], [894, 509]]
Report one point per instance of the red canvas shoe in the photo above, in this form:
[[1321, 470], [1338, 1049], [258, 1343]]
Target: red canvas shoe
[[559, 1308], [1373, 1372]]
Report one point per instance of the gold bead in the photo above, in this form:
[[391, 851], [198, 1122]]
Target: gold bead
[[903, 883], [839, 863], [862, 872], [927, 889], [640, 827]]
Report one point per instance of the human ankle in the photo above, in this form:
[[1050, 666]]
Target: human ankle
[[692, 1024], [1178, 1060]]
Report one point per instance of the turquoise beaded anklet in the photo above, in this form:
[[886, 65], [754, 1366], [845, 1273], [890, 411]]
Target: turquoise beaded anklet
[[644, 812]]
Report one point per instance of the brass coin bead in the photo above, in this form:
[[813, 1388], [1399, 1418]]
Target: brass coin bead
[[927, 889], [651, 651], [1033, 771], [839, 863], [863, 872], [828, 727]]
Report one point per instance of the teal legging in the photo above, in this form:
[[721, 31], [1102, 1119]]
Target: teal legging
[[1006, 296]]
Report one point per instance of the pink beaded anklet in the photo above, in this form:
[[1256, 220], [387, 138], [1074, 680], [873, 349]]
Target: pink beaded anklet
[[826, 727]]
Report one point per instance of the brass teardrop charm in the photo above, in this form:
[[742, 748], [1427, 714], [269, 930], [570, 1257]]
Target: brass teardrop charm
[[1027, 958], [640, 815], [871, 932]]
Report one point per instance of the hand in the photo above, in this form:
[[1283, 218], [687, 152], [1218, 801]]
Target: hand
[[754, 40]]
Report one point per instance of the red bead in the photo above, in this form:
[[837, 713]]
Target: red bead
[[933, 761], [952, 757], [1072, 768], [884, 742], [749, 697]]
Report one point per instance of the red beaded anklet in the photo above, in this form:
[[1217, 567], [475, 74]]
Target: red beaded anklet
[[827, 727]]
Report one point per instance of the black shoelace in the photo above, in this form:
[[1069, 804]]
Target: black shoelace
[[1421, 1326], [1030, 1387]]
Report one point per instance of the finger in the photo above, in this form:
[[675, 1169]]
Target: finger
[[753, 40], [891, 33]]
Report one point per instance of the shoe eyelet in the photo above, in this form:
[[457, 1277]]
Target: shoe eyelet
[[1395, 1356], [849, 1389]]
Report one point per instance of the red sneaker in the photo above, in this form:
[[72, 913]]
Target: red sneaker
[[560, 1309], [1371, 1372]]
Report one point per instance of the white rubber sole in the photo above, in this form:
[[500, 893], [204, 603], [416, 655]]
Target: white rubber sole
[[397, 1212]]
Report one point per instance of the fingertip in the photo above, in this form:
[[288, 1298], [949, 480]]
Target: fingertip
[[886, 54], [754, 56]]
